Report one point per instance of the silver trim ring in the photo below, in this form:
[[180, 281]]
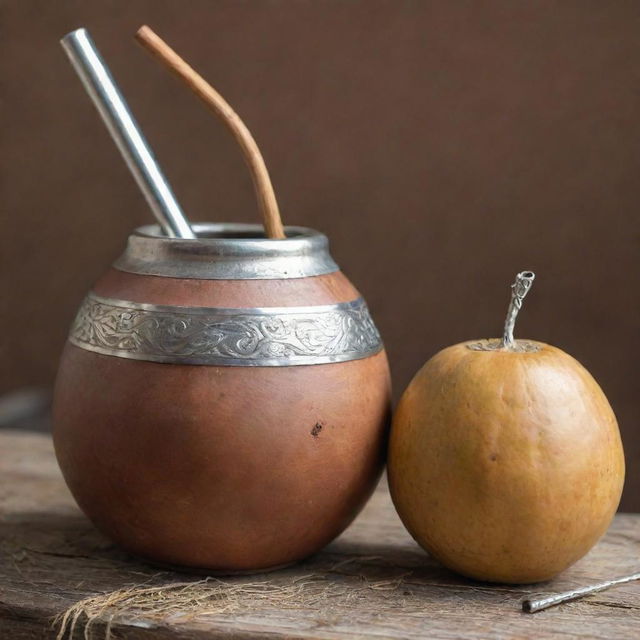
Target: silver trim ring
[[265, 337], [227, 251]]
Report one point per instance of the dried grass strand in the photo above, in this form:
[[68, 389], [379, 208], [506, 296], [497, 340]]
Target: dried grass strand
[[181, 602]]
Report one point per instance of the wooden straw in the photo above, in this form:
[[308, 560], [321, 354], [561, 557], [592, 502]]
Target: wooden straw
[[261, 181]]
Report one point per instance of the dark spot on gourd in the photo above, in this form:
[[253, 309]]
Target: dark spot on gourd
[[317, 428], [493, 457]]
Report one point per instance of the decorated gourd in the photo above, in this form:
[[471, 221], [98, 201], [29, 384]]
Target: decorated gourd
[[222, 401]]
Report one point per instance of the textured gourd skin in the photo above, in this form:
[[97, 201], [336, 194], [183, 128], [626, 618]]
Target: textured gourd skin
[[505, 466]]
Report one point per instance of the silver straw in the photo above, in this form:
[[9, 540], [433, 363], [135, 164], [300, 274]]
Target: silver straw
[[102, 89], [538, 603]]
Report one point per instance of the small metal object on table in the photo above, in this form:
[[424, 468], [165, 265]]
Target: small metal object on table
[[373, 582], [540, 603]]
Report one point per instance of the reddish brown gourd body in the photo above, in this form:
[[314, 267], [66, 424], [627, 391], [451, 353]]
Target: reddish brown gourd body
[[221, 467], [506, 466]]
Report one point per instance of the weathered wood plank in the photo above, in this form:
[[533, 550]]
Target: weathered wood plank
[[373, 582]]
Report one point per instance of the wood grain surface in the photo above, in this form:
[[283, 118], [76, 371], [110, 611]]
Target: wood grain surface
[[373, 582]]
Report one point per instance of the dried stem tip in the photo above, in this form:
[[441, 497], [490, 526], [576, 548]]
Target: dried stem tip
[[519, 289]]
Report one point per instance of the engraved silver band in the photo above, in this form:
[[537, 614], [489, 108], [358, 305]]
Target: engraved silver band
[[265, 337], [227, 251]]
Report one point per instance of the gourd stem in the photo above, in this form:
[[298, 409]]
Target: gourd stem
[[519, 289]]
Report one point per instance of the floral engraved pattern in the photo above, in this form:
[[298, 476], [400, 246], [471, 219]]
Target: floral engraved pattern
[[195, 335]]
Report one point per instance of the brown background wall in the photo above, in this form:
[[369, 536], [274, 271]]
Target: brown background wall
[[443, 146]]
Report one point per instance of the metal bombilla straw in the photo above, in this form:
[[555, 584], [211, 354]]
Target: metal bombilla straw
[[106, 96]]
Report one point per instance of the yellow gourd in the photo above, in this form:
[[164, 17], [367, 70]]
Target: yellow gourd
[[505, 459]]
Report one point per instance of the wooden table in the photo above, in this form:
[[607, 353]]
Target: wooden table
[[373, 582]]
